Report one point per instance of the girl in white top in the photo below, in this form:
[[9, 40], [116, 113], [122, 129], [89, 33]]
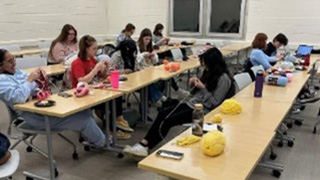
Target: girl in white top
[[146, 57], [63, 45]]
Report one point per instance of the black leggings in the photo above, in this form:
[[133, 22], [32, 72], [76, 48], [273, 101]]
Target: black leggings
[[182, 115]]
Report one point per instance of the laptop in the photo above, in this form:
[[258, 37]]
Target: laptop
[[303, 50]]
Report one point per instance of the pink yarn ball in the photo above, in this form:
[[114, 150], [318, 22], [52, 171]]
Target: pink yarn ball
[[290, 77]]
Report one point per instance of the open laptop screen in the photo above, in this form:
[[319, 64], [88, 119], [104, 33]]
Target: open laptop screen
[[304, 50]]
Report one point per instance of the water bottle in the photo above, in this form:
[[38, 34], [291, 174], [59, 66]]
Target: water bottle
[[307, 60], [259, 84], [198, 118]]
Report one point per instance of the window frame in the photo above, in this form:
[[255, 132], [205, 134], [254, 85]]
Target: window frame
[[204, 23], [226, 35], [182, 33]]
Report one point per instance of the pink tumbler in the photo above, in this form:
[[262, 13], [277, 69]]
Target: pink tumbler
[[115, 75]]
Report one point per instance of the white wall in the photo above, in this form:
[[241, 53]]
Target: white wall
[[27, 20], [299, 20]]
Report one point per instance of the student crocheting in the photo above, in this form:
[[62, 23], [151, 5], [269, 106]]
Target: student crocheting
[[85, 69], [214, 86], [258, 57], [17, 87]]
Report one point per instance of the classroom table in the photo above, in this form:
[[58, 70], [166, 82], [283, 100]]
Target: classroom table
[[241, 155], [261, 115], [67, 106], [238, 47], [51, 70]]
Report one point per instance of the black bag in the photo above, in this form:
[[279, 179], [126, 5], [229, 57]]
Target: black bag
[[132, 116], [4, 145]]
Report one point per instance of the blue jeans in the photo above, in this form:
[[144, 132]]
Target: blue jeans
[[82, 122], [154, 93]]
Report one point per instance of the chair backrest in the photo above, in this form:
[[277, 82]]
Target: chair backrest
[[45, 47], [176, 54], [11, 48], [255, 69], [12, 116], [44, 44], [10, 167], [242, 80], [30, 62]]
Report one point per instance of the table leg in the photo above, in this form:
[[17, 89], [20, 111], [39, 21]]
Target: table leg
[[188, 87], [169, 87], [107, 124], [50, 151], [238, 62]]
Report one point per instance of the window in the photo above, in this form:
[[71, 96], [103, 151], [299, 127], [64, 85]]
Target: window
[[220, 18], [186, 17]]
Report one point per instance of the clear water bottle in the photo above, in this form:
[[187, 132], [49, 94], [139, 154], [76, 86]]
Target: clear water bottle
[[198, 118]]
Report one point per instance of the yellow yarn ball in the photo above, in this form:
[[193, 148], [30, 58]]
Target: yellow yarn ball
[[184, 141], [213, 143], [231, 106], [217, 118]]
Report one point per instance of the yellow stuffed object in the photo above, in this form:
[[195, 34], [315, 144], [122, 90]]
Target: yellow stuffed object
[[184, 141], [231, 106], [217, 118], [213, 143]]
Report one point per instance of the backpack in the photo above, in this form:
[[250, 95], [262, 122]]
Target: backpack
[[4, 146]]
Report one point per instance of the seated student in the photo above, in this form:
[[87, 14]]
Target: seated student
[[125, 34], [257, 56], [214, 86], [278, 41], [158, 38], [17, 87], [86, 68], [145, 58], [63, 45]]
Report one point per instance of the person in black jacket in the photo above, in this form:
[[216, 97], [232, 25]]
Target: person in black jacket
[[278, 41]]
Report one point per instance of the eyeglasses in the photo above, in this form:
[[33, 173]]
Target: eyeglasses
[[71, 34]]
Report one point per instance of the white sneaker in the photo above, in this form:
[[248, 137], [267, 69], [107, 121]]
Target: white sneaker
[[136, 150], [182, 93]]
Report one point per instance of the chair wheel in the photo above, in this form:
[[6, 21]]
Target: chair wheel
[[128, 105], [276, 173], [315, 130], [302, 107], [10, 177], [290, 143], [81, 139], [273, 156], [56, 172], [280, 144], [285, 133], [299, 123], [29, 178], [289, 125], [120, 155], [29, 149], [75, 156], [86, 148]]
